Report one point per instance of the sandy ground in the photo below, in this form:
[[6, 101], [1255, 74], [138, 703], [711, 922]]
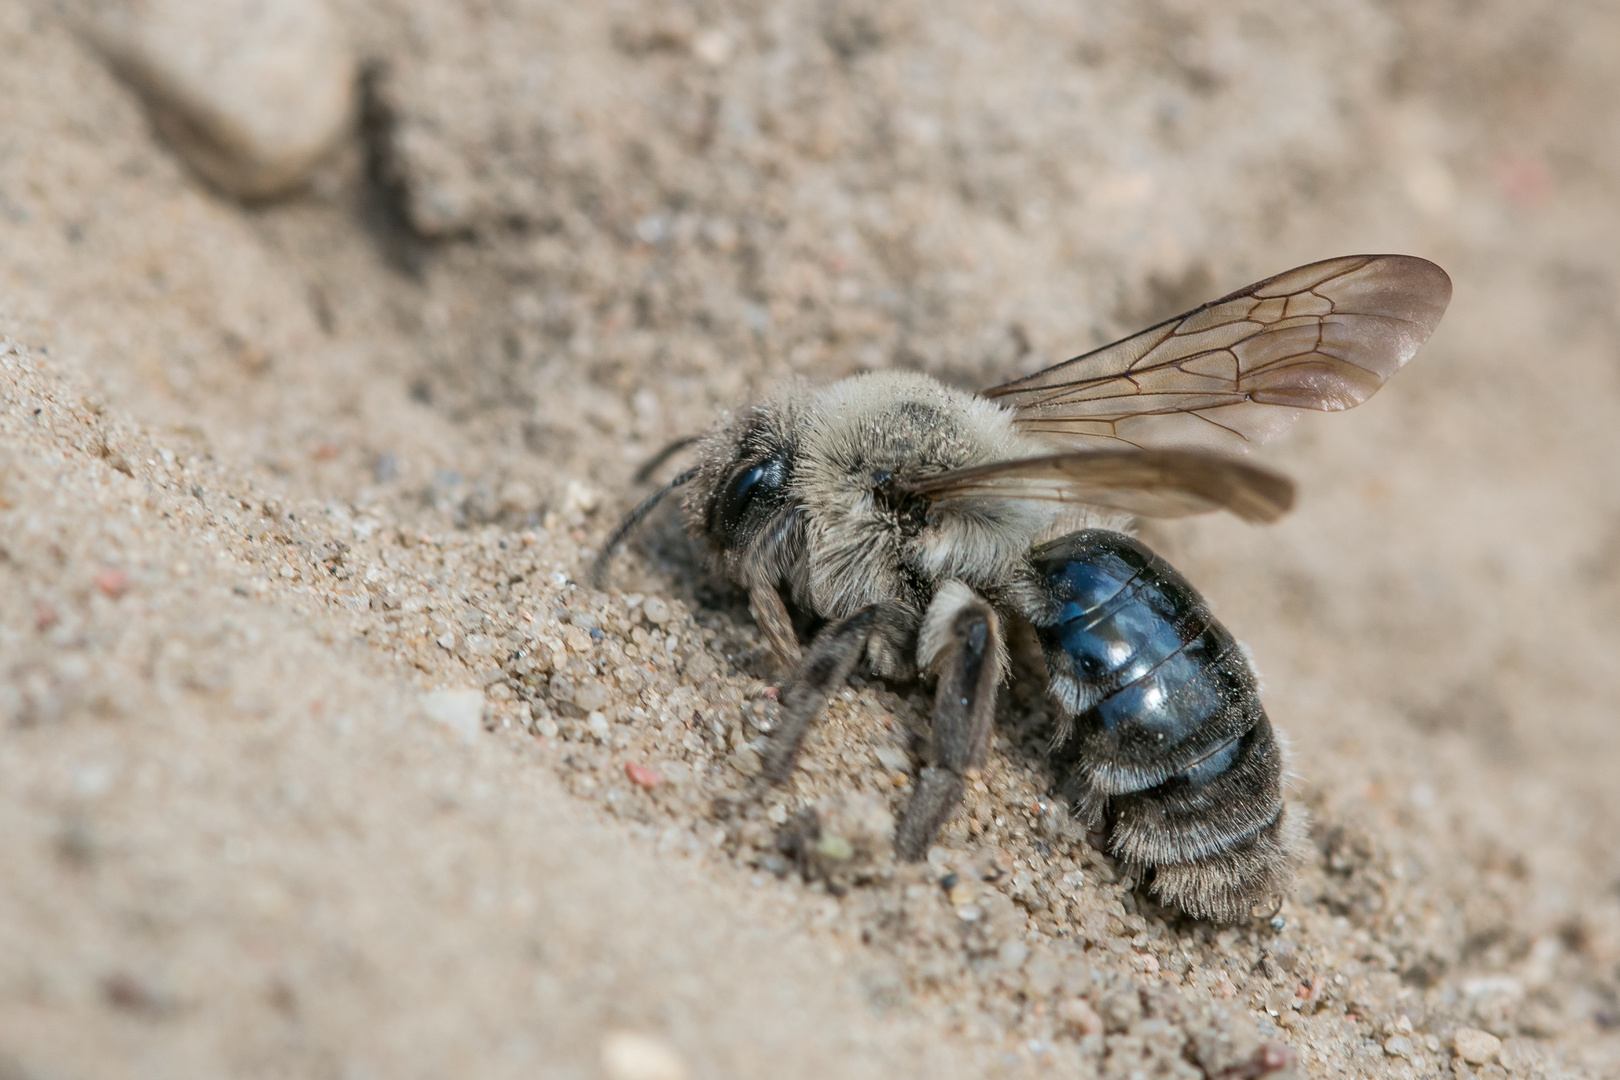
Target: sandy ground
[[313, 747]]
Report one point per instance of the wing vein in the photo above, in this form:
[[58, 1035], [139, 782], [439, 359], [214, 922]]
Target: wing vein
[[1361, 318]]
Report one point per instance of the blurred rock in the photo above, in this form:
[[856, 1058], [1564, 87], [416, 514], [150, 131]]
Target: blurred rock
[[251, 94], [1476, 1047]]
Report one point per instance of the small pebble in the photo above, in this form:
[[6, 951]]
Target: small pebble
[[893, 758], [112, 583], [1274, 1058], [746, 760], [713, 47], [1121, 1009], [545, 724], [590, 695], [629, 1055], [578, 496], [1398, 1046], [642, 775], [561, 688], [1078, 1016], [1475, 1046], [835, 849], [597, 724], [656, 610]]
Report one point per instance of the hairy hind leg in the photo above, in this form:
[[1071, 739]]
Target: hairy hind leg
[[961, 641]]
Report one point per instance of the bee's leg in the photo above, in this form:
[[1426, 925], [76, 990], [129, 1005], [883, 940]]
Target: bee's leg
[[771, 616], [827, 665], [961, 640]]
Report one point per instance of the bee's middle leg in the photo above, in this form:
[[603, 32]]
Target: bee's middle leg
[[961, 640]]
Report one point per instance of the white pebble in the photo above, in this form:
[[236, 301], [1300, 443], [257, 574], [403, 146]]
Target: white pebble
[[579, 496], [713, 47], [656, 611], [252, 95], [598, 725], [629, 1055]]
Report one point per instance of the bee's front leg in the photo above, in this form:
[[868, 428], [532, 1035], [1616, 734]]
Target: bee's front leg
[[961, 642], [771, 616]]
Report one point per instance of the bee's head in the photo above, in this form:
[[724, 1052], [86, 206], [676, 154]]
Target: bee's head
[[739, 497], [742, 499]]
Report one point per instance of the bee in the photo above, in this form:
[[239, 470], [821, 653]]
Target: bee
[[910, 526]]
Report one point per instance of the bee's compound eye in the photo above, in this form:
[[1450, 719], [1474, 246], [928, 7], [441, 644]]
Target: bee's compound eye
[[747, 488]]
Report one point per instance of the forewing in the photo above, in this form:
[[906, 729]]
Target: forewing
[[1153, 483], [1238, 370]]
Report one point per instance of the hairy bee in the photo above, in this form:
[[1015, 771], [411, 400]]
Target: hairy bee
[[910, 523]]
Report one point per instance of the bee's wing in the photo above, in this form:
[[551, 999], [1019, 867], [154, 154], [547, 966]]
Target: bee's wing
[[1238, 370], [1153, 483]]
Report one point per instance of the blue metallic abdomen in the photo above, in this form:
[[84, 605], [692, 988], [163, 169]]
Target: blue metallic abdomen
[[1156, 689]]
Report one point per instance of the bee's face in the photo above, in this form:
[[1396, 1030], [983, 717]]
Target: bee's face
[[746, 480]]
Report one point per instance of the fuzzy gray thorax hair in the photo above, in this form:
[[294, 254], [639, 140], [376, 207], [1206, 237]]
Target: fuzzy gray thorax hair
[[799, 494], [863, 544]]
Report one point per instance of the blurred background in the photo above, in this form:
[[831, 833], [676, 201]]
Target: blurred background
[[455, 270]]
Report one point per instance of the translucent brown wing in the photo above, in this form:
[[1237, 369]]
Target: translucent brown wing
[[1238, 370], [1153, 483]]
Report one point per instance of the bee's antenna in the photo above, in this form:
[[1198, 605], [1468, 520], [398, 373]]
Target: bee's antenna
[[633, 518], [644, 473]]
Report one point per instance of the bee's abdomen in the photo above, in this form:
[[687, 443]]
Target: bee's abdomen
[[1171, 750]]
